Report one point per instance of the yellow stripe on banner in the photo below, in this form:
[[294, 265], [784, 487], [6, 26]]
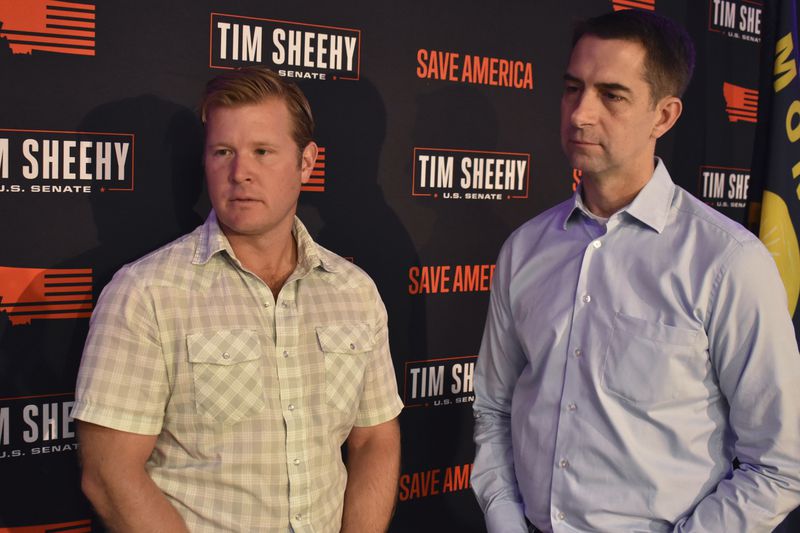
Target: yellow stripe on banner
[[778, 235]]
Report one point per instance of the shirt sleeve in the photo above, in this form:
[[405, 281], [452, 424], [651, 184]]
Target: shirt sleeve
[[500, 363], [122, 381], [754, 352], [379, 399]]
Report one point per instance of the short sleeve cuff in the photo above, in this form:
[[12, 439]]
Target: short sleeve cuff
[[375, 417], [117, 419]]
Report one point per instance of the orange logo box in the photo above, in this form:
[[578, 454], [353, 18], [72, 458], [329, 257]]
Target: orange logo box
[[316, 183], [80, 526], [48, 26], [741, 103], [28, 293], [619, 5]]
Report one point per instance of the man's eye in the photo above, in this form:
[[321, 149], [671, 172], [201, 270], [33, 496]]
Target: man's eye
[[613, 97], [222, 152], [261, 151]]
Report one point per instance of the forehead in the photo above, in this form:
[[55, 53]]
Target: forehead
[[595, 60], [269, 115]]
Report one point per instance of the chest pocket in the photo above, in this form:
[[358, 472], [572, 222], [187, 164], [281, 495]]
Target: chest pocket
[[226, 368], [651, 363], [346, 348]]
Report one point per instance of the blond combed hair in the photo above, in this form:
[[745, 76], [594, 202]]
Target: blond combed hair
[[254, 84]]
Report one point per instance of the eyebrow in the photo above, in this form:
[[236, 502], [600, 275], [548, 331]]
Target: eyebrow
[[254, 144], [610, 86]]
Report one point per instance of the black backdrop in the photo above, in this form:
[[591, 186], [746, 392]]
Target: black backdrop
[[397, 87]]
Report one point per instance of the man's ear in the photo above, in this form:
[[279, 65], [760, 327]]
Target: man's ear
[[307, 160], [667, 112]]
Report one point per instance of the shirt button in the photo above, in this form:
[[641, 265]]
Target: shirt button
[[571, 407], [266, 304], [284, 305], [578, 352], [298, 517], [226, 355], [285, 353], [352, 346], [587, 299], [291, 407], [563, 463], [560, 515], [597, 244], [296, 461]]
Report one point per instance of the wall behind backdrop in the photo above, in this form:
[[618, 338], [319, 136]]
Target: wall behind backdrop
[[438, 123]]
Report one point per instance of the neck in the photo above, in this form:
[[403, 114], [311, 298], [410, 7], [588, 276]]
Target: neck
[[271, 259], [604, 195]]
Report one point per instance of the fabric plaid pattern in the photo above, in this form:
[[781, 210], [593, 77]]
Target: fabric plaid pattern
[[226, 378], [251, 397]]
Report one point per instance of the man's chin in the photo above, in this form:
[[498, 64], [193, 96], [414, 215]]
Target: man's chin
[[580, 162], [242, 228]]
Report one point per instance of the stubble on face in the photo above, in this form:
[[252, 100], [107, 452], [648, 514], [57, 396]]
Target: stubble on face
[[252, 168]]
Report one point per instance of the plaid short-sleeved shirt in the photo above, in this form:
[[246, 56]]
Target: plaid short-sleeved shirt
[[251, 398]]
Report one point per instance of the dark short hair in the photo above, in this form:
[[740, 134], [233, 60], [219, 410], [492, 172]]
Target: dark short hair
[[252, 85], [669, 51]]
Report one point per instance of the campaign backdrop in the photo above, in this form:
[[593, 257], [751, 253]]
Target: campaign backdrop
[[438, 126]]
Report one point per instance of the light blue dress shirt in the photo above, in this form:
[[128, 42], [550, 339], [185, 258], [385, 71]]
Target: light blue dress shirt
[[624, 366]]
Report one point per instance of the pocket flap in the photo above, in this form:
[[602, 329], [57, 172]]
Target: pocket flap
[[345, 338], [223, 347], [657, 332]]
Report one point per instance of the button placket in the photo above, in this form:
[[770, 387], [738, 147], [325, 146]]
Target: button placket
[[569, 422], [292, 395]]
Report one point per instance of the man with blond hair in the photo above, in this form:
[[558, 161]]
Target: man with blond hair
[[223, 372]]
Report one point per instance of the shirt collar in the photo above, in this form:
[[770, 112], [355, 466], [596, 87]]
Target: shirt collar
[[309, 255], [651, 206], [213, 241]]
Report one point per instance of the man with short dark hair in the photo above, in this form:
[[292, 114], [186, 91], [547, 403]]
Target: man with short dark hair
[[639, 370], [223, 372]]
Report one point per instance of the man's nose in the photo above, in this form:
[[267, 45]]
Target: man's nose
[[241, 169], [584, 110]]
